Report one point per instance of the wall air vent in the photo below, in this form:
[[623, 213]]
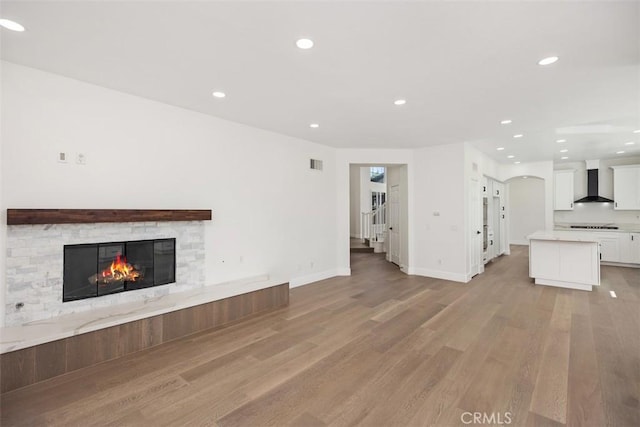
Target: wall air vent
[[315, 164]]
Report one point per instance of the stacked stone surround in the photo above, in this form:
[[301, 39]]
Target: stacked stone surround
[[35, 260]]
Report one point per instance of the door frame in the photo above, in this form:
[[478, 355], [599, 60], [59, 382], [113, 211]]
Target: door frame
[[366, 158], [398, 234]]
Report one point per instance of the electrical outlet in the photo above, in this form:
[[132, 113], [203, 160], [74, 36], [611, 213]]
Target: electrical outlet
[[63, 157]]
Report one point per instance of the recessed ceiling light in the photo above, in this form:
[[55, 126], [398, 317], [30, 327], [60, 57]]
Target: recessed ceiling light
[[516, 163], [505, 122], [304, 43], [519, 135], [500, 148], [219, 94], [11, 25], [548, 60], [510, 156], [525, 177], [564, 151], [564, 158], [619, 152], [560, 141], [314, 125], [636, 131], [400, 101], [629, 143]]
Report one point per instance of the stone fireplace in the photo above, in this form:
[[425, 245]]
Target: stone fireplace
[[56, 269]]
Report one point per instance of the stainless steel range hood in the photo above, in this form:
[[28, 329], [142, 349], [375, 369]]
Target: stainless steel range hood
[[593, 195]]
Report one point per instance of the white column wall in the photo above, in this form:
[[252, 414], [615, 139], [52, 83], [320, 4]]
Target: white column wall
[[440, 213]]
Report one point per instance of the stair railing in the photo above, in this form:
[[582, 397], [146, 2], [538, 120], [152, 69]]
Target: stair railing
[[373, 224], [365, 225]]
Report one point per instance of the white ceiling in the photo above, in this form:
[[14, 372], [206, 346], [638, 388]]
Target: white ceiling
[[461, 66]]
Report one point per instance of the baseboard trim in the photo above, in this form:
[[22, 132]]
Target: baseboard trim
[[438, 274], [343, 271], [316, 277], [519, 242]]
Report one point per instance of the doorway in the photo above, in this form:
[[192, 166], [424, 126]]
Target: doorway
[[378, 211]]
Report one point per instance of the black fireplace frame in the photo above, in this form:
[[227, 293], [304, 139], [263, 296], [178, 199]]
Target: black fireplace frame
[[125, 287]]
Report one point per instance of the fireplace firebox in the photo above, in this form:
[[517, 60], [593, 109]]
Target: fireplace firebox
[[92, 270]]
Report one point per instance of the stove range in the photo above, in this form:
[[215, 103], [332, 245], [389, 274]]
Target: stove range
[[596, 227]]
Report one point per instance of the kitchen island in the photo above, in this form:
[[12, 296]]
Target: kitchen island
[[564, 259]]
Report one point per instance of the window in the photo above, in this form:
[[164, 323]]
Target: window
[[377, 174]]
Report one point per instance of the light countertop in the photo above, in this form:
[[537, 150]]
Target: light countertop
[[564, 235]]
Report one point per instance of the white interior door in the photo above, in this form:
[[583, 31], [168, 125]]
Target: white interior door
[[393, 218], [475, 247]]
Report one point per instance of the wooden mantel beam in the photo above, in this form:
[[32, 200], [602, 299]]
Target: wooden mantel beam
[[87, 216]]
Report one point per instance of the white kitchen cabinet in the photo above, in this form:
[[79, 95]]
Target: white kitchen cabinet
[[563, 190], [498, 189], [485, 186], [609, 247], [629, 248], [626, 187]]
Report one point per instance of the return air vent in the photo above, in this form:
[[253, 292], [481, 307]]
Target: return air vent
[[315, 164]]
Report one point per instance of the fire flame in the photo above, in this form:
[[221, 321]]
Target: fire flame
[[120, 269]]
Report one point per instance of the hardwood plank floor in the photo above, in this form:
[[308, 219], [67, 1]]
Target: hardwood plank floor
[[378, 348]]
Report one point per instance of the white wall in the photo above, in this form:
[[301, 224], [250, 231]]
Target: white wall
[[440, 216], [271, 213], [596, 212], [3, 214], [354, 201], [526, 206]]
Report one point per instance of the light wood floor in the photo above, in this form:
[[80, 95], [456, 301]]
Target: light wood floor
[[379, 348]]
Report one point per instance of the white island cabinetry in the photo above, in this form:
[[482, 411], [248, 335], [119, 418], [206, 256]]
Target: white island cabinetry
[[564, 259]]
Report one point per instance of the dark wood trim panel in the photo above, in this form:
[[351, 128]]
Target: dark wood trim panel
[[87, 216], [34, 364]]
